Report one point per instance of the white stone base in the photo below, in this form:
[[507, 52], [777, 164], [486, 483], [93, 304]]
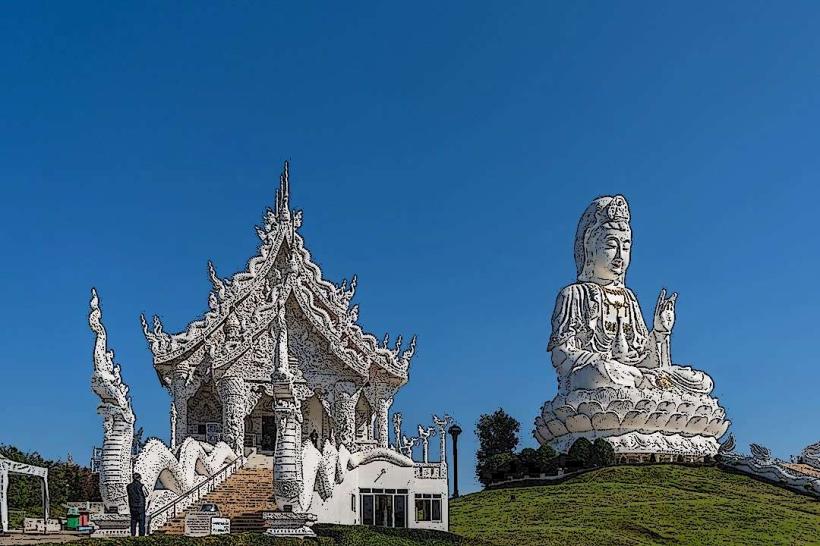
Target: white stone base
[[636, 442], [634, 421], [289, 524], [299, 532], [111, 525]]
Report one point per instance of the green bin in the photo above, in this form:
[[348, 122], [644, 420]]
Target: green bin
[[72, 520]]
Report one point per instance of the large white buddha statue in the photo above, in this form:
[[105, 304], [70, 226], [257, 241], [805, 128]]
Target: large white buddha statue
[[615, 378]]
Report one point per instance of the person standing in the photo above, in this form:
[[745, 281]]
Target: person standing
[[136, 504]]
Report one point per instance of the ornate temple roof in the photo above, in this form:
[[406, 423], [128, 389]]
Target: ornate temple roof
[[244, 305]]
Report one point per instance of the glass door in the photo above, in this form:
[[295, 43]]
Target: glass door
[[384, 507]]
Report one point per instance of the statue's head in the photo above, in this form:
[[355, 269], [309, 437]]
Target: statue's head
[[603, 242]]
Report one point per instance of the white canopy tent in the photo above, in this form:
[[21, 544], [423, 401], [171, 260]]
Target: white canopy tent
[[8, 466]]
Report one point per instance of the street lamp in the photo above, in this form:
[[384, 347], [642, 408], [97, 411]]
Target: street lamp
[[454, 431]]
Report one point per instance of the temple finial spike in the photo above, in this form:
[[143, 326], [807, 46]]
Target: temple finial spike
[[283, 194]]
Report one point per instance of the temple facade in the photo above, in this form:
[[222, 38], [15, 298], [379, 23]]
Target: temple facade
[[277, 367], [218, 371]]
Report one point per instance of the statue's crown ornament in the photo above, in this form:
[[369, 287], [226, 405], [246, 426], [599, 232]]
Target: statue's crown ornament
[[618, 210], [605, 211]]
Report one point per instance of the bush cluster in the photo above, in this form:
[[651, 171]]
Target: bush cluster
[[497, 459], [528, 462]]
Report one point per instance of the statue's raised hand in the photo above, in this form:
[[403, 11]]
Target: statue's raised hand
[[665, 312]]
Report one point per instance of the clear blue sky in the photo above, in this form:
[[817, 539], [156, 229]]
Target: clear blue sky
[[442, 153]]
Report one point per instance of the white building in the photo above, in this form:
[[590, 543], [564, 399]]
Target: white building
[[279, 365]]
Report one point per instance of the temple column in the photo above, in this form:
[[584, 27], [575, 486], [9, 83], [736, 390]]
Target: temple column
[[232, 393], [382, 420], [345, 413], [179, 407]]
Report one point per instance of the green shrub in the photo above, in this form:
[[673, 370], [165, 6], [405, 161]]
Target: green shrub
[[580, 453], [497, 467], [603, 454]]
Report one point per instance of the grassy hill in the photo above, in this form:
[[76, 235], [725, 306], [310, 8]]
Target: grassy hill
[[659, 504]]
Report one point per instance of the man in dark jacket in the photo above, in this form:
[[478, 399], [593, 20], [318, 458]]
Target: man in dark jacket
[[136, 504]]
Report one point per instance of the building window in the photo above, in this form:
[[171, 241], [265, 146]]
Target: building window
[[384, 508], [428, 507]]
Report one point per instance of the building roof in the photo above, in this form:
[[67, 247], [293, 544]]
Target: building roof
[[244, 305]]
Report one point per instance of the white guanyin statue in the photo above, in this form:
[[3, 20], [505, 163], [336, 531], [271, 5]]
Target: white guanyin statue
[[616, 379]]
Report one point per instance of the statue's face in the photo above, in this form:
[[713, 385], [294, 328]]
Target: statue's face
[[611, 251]]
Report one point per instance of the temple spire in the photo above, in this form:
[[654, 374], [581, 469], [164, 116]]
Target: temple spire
[[283, 195]]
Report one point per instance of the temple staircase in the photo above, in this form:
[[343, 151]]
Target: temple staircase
[[243, 497]]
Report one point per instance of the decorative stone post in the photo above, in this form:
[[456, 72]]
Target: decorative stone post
[[231, 391], [287, 460], [442, 433], [424, 436]]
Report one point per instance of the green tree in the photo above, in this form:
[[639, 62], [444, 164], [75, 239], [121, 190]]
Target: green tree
[[497, 435], [580, 453], [603, 454], [547, 459], [529, 461]]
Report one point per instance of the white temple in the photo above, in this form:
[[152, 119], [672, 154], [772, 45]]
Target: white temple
[[278, 366], [616, 379]]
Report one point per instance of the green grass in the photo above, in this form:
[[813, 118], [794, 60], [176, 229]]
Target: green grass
[[625, 505]]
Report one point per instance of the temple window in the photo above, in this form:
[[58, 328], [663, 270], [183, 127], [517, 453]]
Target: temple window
[[428, 507]]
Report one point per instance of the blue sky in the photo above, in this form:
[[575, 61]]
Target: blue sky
[[444, 153]]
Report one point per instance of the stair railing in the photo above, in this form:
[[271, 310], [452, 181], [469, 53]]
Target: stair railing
[[169, 511]]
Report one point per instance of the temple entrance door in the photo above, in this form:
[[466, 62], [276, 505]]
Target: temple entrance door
[[268, 440]]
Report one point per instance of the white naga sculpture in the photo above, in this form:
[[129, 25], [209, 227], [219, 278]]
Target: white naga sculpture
[[763, 465], [811, 455], [616, 379], [165, 473]]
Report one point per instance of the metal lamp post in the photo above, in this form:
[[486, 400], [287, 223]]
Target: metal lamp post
[[454, 431]]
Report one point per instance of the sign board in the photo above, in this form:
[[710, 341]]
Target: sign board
[[202, 524], [34, 525], [220, 526], [198, 524]]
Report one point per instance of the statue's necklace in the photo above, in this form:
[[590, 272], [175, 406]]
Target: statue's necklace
[[615, 297]]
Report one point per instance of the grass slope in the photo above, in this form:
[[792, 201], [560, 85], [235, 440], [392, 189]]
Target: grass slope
[[659, 504]]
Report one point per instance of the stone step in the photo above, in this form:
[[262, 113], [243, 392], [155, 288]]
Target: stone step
[[243, 498]]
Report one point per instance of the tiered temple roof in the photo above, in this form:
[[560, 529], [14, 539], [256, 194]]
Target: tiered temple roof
[[243, 307]]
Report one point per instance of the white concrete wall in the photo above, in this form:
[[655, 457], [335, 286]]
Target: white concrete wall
[[380, 475]]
